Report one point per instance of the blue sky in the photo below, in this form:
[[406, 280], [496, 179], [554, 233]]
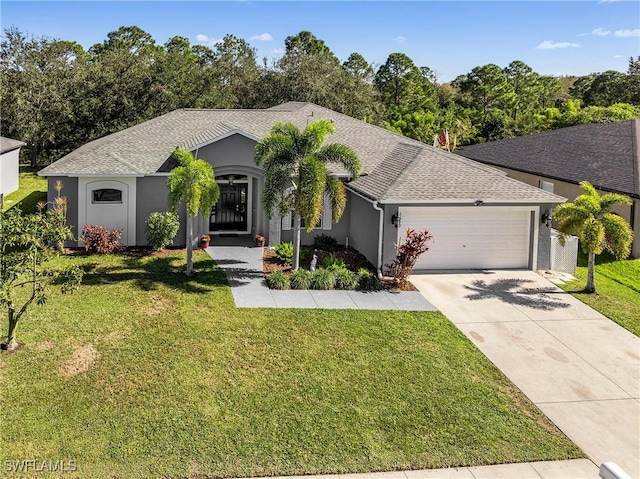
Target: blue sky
[[562, 37]]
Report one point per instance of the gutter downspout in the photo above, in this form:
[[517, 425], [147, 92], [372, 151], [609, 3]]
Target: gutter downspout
[[376, 206]]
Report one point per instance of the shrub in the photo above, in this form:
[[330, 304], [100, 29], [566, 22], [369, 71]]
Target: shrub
[[98, 239], [323, 279], [161, 228], [278, 280], [408, 253], [332, 262], [368, 281], [345, 279], [301, 279], [284, 252], [325, 242]]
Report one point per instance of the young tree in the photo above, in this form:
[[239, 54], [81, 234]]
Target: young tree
[[25, 245], [590, 218], [193, 182], [296, 174]]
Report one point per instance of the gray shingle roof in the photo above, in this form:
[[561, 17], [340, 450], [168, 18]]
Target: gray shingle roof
[[606, 155], [394, 167], [8, 144]]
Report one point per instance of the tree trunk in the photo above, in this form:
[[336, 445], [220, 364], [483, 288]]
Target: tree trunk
[[591, 277], [11, 335], [34, 155], [296, 241], [189, 245]]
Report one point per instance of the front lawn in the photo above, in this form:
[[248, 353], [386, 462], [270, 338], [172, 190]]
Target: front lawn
[[618, 290], [143, 373], [32, 189]]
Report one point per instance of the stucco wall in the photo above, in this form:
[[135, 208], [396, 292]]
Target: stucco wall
[[363, 231], [9, 170], [571, 191], [153, 196], [70, 191], [234, 151]]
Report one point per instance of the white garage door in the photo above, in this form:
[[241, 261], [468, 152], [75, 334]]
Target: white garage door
[[479, 237]]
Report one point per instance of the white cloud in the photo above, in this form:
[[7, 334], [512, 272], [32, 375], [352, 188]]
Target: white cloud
[[263, 37], [627, 33], [207, 40], [551, 45], [600, 32], [278, 51], [400, 39], [618, 56]]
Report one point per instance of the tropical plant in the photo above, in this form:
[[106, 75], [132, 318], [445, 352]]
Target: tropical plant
[[160, 229], [325, 242], [301, 279], [278, 280], [284, 252], [333, 262], [296, 174], [368, 281], [24, 249], [589, 217], [345, 279], [192, 182], [408, 252], [323, 279], [98, 239]]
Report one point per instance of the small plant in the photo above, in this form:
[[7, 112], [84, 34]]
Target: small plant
[[325, 242], [98, 239], [368, 281], [284, 252], [345, 279], [301, 279], [160, 229], [323, 279], [278, 280], [205, 237], [408, 253], [332, 262]]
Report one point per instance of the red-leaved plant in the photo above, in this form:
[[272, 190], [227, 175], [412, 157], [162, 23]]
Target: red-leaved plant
[[98, 239], [407, 254]]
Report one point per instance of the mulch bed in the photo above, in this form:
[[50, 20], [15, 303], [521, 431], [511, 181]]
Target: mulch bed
[[352, 258]]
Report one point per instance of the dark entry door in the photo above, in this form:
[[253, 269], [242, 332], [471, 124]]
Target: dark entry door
[[230, 212]]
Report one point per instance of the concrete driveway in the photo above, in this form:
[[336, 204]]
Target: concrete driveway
[[580, 368]]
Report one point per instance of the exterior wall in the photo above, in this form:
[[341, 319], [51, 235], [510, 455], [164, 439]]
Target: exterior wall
[[339, 230], [571, 191], [70, 191], [9, 171], [153, 195], [363, 228]]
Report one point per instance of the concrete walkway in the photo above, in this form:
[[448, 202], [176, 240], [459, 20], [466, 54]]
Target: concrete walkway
[[243, 267], [580, 368]]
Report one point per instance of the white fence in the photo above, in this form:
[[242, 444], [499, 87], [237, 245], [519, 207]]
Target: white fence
[[564, 258]]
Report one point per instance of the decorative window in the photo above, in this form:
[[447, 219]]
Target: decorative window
[[323, 223], [546, 186], [107, 195]]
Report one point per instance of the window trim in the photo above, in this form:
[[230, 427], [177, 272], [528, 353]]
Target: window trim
[[95, 201]]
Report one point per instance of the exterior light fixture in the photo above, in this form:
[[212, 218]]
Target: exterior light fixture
[[478, 203], [396, 219], [545, 218]]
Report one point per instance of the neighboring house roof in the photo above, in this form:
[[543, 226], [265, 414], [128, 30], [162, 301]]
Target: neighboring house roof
[[606, 155], [395, 168], [7, 144]]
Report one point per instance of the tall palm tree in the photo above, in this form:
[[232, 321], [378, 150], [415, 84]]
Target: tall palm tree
[[296, 174], [194, 183], [590, 218]]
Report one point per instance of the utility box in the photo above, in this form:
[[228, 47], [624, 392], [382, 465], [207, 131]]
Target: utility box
[[564, 258]]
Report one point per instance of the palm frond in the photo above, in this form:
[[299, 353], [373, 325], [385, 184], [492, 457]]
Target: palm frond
[[609, 200], [342, 155], [618, 235], [337, 195]]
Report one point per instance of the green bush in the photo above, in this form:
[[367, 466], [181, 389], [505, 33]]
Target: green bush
[[323, 279], [278, 280], [301, 279], [332, 262], [345, 279], [368, 281], [160, 229], [325, 242], [284, 252]]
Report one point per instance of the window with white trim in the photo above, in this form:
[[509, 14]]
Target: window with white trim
[[324, 222], [546, 186], [106, 195]]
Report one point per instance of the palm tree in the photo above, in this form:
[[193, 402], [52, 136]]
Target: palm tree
[[296, 175], [194, 183], [590, 218]]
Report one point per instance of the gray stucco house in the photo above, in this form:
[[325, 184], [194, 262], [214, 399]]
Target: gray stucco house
[[479, 217], [9, 164], [605, 155]]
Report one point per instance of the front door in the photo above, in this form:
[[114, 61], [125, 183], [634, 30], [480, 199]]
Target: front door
[[230, 212]]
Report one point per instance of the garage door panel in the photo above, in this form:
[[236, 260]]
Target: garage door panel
[[471, 238]]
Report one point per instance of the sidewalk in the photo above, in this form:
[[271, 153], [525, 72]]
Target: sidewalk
[[243, 267]]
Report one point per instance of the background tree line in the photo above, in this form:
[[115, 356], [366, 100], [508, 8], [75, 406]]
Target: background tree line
[[56, 96]]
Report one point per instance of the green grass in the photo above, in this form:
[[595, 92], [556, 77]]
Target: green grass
[[617, 286], [186, 385], [32, 189]]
